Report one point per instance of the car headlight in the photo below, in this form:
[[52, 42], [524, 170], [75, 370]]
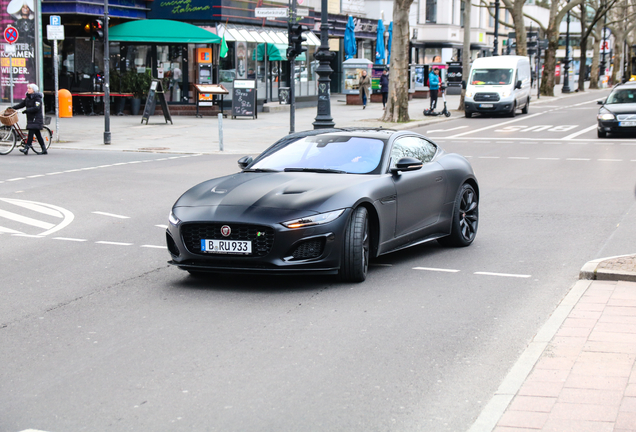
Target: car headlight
[[318, 219], [505, 93], [605, 116], [173, 219], [469, 94]]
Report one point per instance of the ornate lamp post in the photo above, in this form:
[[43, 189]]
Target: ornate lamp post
[[566, 62], [106, 77], [324, 56], [496, 41]]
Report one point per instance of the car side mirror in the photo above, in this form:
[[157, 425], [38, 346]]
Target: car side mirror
[[407, 164], [245, 161], [601, 102], [518, 85], [464, 84]]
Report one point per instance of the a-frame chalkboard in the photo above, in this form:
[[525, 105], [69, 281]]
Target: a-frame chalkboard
[[156, 91], [244, 99]]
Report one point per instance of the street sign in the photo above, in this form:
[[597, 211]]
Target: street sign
[[54, 32], [302, 12], [11, 34], [271, 12], [55, 20], [606, 33], [9, 49]]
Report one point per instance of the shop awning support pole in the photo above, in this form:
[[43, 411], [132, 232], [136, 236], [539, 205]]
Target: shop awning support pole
[[106, 78]]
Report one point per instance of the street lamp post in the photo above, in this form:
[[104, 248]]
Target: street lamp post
[[496, 41], [324, 56], [106, 77], [602, 71], [566, 63]]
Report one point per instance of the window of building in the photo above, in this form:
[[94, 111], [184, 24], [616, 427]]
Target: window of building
[[431, 11]]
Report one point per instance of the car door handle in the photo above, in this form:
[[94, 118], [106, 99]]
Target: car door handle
[[439, 179], [388, 199]]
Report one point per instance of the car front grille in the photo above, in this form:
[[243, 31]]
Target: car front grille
[[262, 237], [309, 249], [486, 97], [626, 117]]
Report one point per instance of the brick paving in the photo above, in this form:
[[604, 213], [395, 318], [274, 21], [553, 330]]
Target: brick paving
[[585, 379]]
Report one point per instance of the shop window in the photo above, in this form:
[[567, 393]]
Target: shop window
[[227, 65], [170, 70], [431, 11]]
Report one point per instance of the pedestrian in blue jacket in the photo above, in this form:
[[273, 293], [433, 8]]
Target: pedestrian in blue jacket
[[433, 86]]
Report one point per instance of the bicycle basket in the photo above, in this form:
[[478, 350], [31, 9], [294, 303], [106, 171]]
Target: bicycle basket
[[47, 120], [9, 117]]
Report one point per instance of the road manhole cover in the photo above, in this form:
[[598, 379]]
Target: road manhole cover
[[154, 148]]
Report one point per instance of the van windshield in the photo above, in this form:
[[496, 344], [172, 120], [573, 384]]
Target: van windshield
[[491, 76]]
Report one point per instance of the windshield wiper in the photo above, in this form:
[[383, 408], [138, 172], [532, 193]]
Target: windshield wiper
[[260, 170], [316, 170]]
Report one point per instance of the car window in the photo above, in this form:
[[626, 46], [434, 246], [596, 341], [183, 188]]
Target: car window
[[491, 76], [620, 96], [355, 155], [414, 147]]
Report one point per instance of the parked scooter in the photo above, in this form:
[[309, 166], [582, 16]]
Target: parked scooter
[[444, 111]]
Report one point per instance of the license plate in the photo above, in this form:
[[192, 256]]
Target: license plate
[[627, 123], [486, 105], [240, 247]]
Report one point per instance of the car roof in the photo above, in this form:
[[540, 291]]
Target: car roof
[[628, 84]]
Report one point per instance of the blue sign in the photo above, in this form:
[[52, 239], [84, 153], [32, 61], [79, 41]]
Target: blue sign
[[55, 20]]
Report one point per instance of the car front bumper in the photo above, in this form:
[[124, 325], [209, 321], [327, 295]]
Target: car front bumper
[[489, 107], [612, 126]]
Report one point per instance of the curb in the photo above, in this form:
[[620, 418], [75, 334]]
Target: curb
[[591, 271]]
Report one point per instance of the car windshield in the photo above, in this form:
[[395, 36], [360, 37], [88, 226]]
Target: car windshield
[[621, 96], [491, 76], [326, 153]]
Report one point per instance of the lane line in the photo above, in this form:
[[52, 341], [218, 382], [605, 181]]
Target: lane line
[[610, 160], [111, 215], [436, 269], [36, 176], [15, 179], [497, 125], [25, 220], [69, 239], [581, 132], [518, 157], [548, 158], [162, 226], [153, 246], [502, 274], [578, 159], [113, 243], [489, 157]]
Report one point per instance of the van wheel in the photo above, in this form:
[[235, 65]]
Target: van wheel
[[514, 110], [525, 108], [468, 114]]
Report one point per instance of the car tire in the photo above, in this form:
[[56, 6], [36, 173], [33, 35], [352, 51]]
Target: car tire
[[357, 241], [601, 134], [513, 113], [465, 218], [526, 108], [468, 114]]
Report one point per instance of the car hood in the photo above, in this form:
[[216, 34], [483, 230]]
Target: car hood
[[624, 108], [289, 191]]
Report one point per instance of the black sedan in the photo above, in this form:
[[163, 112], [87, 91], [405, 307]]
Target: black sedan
[[618, 113], [325, 202]]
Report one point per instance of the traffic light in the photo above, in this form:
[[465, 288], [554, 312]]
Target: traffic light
[[296, 40], [95, 28]]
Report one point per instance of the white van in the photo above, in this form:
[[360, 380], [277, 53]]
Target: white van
[[498, 85]]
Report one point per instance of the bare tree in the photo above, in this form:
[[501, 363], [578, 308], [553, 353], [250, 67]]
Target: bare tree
[[465, 51], [397, 107]]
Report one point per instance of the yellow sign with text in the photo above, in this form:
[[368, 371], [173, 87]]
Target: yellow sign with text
[[17, 62]]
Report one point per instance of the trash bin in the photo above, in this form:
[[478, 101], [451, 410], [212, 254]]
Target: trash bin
[[66, 103], [284, 95]]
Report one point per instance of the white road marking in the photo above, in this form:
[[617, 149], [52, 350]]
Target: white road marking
[[111, 215], [153, 246], [36, 176], [581, 132], [496, 125], [36, 207], [549, 159], [15, 179], [502, 274], [610, 160], [436, 269], [48, 209], [27, 235], [113, 243], [162, 226], [578, 159], [55, 173], [9, 231], [25, 220], [69, 239], [518, 157], [488, 157], [446, 130]]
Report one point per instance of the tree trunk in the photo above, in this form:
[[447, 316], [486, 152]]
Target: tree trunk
[[465, 53], [520, 28], [594, 72], [549, 64], [397, 107], [619, 38], [583, 56]]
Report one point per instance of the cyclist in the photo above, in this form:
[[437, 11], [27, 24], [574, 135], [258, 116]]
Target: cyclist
[[35, 120]]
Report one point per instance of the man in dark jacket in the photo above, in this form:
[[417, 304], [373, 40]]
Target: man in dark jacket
[[35, 119], [384, 87]]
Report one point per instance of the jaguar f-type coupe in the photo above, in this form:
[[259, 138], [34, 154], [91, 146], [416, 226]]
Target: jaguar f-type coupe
[[326, 202]]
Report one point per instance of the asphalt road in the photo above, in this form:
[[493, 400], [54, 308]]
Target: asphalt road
[[98, 333]]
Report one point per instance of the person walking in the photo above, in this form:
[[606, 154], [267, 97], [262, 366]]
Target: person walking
[[384, 87], [365, 88], [433, 86], [35, 119]]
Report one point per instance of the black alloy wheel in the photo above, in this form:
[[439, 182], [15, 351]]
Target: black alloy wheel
[[357, 241], [465, 218]]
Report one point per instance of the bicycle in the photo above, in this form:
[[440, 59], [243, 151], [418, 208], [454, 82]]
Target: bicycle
[[11, 132]]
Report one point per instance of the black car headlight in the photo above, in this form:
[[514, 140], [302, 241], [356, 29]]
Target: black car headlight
[[318, 219], [173, 219]]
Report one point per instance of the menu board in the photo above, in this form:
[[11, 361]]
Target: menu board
[[244, 99]]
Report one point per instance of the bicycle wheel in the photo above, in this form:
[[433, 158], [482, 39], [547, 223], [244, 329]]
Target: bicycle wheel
[[46, 136], [7, 140]]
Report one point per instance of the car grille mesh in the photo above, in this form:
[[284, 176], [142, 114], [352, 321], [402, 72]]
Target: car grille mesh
[[486, 97], [309, 249], [262, 237]]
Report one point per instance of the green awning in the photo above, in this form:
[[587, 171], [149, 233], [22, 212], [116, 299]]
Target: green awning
[[161, 31], [275, 52]]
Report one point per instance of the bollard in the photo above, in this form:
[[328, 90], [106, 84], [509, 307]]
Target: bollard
[[66, 103], [220, 131]]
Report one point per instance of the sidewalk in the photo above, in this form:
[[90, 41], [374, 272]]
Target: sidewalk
[[241, 136], [579, 372]]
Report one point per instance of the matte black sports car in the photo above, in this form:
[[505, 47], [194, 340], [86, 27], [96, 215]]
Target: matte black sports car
[[618, 113], [326, 201]]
